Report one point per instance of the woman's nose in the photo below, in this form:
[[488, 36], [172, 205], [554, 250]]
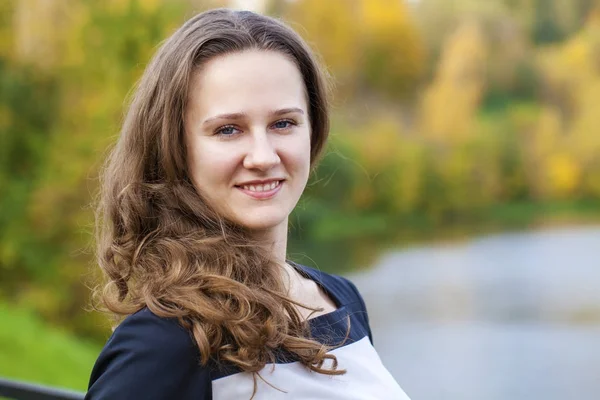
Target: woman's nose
[[262, 155]]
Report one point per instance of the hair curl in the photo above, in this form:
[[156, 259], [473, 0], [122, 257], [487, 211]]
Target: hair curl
[[161, 246]]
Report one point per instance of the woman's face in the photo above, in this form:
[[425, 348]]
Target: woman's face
[[248, 137]]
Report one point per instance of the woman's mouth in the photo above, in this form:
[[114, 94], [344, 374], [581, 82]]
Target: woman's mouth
[[262, 191]]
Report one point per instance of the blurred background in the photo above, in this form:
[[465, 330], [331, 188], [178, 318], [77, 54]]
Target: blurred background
[[460, 190]]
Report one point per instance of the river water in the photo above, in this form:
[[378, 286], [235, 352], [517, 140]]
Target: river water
[[513, 316]]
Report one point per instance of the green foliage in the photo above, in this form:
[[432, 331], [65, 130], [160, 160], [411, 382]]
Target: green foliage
[[28, 105], [57, 119]]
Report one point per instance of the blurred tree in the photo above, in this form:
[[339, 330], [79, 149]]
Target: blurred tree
[[542, 161], [43, 32], [371, 45], [7, 11], [555, 20], [583, 133], [571, 75], [331, 28], [392, 162], [546, 26], [28, 106], [393, 53], [451, 101]]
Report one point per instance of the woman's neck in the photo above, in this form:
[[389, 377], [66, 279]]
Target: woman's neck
[[276, 238]]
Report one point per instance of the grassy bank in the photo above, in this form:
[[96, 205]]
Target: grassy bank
[[32, 351]]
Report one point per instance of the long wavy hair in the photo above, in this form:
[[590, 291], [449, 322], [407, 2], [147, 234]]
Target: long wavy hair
[[161, 246]]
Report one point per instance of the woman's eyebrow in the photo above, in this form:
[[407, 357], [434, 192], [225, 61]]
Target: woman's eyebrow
[[233, 116], [242, 115], [287, 111]]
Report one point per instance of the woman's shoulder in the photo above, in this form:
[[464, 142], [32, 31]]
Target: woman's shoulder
[[147, 354], [154, 329], [347, 295], [149, 335], [340, 287]]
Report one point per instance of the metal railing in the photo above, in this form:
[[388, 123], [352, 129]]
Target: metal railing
[[18, 390]]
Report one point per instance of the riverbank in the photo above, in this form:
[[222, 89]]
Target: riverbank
[[347, 243]]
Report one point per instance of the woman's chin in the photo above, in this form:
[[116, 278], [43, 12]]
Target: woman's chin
[[259, 223]]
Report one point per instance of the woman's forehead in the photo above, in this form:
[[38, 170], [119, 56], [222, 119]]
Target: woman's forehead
[[246, 82]]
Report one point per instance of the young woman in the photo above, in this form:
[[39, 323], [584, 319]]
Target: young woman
[[215, 151]]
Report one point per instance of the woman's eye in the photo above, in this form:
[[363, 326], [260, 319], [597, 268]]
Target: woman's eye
[[283, 124], [227, 130]]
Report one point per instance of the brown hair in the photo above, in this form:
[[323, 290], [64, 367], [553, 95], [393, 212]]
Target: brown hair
[[161, 246]]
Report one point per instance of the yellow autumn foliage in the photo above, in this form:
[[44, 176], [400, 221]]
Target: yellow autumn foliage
[[365, 43], [563, 173], [572, 76], [393, 52], [329, 26], [46, 32], [451, 101], [393, 160]]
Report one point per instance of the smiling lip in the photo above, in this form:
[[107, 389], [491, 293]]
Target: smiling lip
[[259, 182], [261, 195]]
